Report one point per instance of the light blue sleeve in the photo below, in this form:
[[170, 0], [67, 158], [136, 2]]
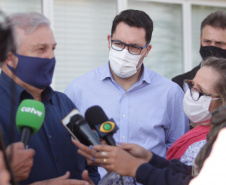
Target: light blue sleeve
[[179, 123], [70, 92]]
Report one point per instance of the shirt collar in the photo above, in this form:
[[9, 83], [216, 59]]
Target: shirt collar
[[106, 73], [18, 93], [146, 77]]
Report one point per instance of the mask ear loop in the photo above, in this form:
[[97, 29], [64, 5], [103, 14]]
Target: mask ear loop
[[142, 61]]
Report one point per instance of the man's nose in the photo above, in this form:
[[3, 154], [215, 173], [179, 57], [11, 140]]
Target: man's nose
[[50, 54]]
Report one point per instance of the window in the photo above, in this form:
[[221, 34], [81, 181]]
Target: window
[[199, 13], [9, 7], [166, 55], [15, 6], [81, 28]]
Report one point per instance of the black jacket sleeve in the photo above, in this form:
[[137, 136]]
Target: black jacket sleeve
[[189, 75], [93, 173], [160, 171]]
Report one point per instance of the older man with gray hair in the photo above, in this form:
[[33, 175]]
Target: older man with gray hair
[[30, 70]]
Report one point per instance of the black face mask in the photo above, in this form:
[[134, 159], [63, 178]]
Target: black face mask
[[208, 51]]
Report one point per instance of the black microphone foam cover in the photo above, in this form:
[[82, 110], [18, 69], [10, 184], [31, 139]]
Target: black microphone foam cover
[[95, 115]]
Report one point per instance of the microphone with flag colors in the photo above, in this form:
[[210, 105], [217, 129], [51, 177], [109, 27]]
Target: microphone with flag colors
[[29, 118], [98, 120]]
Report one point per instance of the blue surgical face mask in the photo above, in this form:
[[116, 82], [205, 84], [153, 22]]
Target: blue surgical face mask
[[35, 71]]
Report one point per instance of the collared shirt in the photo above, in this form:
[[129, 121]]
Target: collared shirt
[[149, 114], [55, 154]]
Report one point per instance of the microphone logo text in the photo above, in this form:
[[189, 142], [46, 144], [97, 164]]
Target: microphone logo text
[[31, 110]]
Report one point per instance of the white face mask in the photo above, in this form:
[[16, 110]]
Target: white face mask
[[123, 63], [197, 111]]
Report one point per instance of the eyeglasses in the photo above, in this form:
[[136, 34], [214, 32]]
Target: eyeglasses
[[195, 93], [133, 49]]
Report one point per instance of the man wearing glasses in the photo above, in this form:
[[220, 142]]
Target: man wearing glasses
[[147, 108]]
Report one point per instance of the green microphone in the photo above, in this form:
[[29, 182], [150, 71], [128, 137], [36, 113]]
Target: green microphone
[[29, 118]]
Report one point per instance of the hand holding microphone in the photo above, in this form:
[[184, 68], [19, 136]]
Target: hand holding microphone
[[29, 118], [21, 160], [99, 121], [113, 158]]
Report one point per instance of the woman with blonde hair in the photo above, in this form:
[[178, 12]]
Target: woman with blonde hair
[[206, 93]]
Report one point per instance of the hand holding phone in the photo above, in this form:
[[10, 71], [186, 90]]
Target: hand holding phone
[[79, 129]]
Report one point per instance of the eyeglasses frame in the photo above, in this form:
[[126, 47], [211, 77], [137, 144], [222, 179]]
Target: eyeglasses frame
[[141, 48], [214, 96]]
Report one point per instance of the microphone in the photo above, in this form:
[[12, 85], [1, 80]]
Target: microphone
[[29, 119], [79, 129], [98, 120]]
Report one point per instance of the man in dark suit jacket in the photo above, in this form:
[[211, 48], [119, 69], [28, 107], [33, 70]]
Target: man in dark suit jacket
[[212, 42]]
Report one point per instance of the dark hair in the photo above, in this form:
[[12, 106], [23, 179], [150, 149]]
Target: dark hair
[[135, 18], [6, 37], [216, 20]]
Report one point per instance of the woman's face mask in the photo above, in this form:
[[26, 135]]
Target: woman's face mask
[[197, 111]]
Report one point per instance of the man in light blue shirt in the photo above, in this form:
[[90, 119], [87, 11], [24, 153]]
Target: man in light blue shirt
[[147, 107]]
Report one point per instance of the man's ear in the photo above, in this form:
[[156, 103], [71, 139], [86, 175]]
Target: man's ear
[[148, 50], [9, 60], [109, 41]]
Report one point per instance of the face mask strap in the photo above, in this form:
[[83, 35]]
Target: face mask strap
[[143, 59]]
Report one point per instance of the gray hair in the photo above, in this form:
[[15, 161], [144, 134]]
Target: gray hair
[[219, 65], [28, 22]]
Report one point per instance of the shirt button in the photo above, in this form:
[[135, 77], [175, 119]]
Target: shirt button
[[50, 137], [123, 115], [123, 137], [124, 94]]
